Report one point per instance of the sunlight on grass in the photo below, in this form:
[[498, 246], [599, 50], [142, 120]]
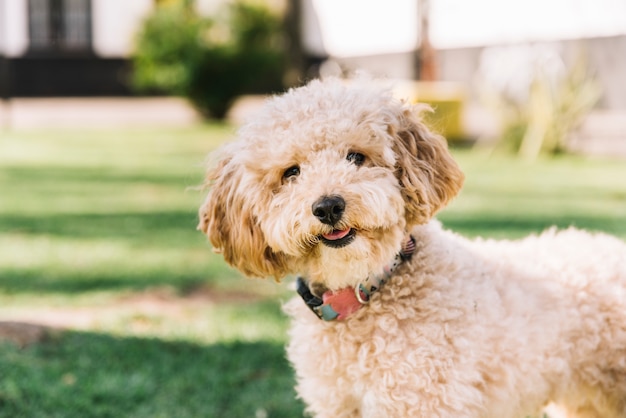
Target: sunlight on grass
[[99, 233], [86, 213], [110, 190], [223, 322], [157, 313], [48, 263]]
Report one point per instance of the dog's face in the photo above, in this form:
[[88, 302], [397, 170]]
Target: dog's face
[[326, 182]]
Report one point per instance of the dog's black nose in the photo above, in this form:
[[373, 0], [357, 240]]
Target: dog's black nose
[[329, 209]]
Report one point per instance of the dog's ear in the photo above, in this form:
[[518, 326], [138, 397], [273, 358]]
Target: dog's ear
[[428, 175], [226, 218]]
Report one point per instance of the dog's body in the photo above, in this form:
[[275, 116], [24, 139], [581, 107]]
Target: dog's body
[[328, 182], [476, 329]]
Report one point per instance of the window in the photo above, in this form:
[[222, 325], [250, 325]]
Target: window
[[62, 26]]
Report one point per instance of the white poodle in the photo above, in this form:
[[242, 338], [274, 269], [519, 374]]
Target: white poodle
[[398, 317]]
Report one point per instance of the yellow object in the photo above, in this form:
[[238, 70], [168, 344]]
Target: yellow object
[[446, 100]]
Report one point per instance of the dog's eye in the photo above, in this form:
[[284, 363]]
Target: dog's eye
[[356, 157], [291, 172]]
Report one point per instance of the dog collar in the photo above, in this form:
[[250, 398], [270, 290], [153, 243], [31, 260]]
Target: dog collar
[[342, 303]]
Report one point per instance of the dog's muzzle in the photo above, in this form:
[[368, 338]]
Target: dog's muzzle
[[329, 210]]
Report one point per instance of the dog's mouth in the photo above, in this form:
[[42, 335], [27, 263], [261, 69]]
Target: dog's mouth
[[338, 238]]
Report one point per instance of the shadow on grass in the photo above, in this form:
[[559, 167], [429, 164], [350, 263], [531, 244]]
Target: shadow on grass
[[39, 281], [499, 226], [75, 374], [98, 176], [169, 226]]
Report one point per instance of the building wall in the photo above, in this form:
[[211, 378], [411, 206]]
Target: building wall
[[381, 38], [13, 27], [103, 69], [115, 24], [605, 58]]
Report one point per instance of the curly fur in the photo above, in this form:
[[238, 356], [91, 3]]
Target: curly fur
[[490, 329]]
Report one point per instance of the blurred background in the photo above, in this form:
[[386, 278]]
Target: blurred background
[[112, 304], [480, 64]]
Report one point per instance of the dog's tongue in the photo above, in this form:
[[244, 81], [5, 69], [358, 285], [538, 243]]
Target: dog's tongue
[[336, 234]]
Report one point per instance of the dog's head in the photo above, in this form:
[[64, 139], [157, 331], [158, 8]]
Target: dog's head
[[326, 181]]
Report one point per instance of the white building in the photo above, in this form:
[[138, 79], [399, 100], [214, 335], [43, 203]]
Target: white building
[[67, 47], [82, 47]]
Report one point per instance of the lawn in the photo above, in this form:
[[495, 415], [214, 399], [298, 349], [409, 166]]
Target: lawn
[[97, 235], [509, 198]]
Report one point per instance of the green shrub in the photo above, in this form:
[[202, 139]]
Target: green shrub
[[211, 61], [168, 48]]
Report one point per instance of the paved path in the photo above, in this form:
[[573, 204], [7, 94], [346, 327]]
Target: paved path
[[95, 112]]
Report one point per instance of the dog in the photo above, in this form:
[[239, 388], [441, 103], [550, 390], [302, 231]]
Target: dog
[[339, 183]]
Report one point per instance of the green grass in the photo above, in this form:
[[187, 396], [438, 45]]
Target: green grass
[[508, 198], [101, 225], [93, 375], [87, 211], [90, 220]]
